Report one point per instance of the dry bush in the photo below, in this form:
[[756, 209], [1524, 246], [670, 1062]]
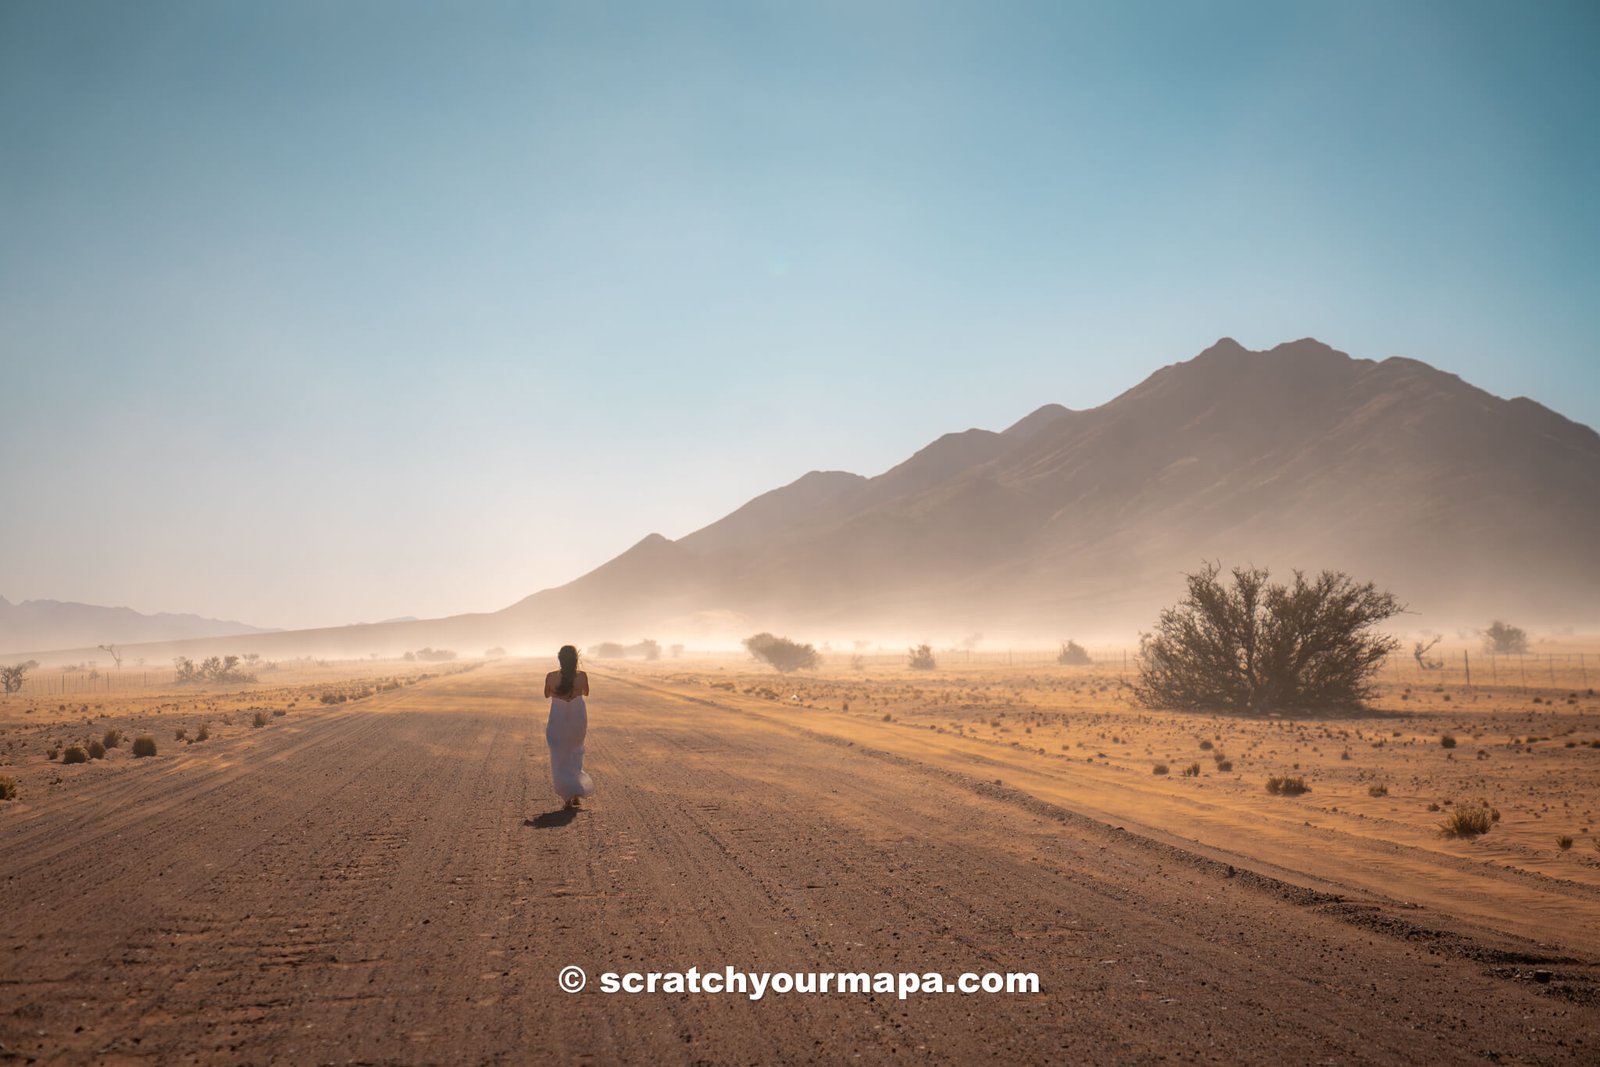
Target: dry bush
[[1073, 655], [1224, 765], [8, 788], [1283, 785], [261, 718], [1564, 842], [113, 739], [1160, 768], [144, 745], [1468, 820], [1261, 645], [180, 734], [97, 750], [1192, 771], [1377, 790], [204, 732], [1501, 638], [921, 658], [74, 754], [1447, 741]]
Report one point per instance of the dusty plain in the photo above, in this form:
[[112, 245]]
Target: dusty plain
[[384, 879]]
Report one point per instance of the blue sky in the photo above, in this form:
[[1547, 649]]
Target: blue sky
[[315, 313]]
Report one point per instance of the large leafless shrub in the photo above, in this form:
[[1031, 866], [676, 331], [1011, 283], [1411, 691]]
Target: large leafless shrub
[[1258, 645]]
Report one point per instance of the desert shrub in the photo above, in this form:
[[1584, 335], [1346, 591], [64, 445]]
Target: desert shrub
[[8, 788], [1160, 768], [1503, 639], [1224, 765], [1564, 842], [1260, 645], [1073, 655], [1468, 820], [261, 718], [1447, 741], [1377, 790], [180, 734], [52, 752], [1206, 746], [144, 745], [648, 648], [203, 733], [113, 739], [74, 754], [780, 652], [435, 655], [1192, 771], [1419, 652], [921, 658], [211, 669], [97, 750], [11, 677], [1283, 785]]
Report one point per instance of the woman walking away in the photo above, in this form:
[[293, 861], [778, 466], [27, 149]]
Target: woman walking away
[[569, 722]]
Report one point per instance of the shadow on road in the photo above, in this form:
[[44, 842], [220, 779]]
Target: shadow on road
[[551, 819]]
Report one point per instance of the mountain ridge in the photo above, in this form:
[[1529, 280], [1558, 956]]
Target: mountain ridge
[[1466, 505]]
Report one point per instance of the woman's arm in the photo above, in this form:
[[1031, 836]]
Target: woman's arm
[[549, 685], [582, 683]]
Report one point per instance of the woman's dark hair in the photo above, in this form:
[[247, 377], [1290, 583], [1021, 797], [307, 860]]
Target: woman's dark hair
[[568, 658]]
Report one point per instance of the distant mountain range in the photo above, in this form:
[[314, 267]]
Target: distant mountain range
[[1463, 504], [50, 624], [1082, 523]]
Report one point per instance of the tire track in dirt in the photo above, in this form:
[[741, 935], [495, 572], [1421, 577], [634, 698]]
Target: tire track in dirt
[[386, 884]]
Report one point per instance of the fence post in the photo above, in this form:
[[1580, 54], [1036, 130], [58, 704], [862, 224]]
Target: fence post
[[1522, 666], [1552, 665], [1584, 667], [1467, 664]]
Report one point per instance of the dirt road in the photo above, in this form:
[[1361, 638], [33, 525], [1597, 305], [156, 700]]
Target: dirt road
[[383, 883]]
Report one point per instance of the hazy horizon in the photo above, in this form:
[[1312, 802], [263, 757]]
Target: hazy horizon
[[322, 315]]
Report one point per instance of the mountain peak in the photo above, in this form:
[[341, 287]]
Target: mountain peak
[[1035, 421]]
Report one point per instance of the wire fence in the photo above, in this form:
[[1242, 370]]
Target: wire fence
[[1460, 669]]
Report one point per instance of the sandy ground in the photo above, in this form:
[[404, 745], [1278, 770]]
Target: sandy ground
[[384, 880]]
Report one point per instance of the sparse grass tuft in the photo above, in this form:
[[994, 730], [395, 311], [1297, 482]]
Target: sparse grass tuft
[[1564, 842], [8, 788], [180, 734], [204, 732], [261, 719], [74, 754], [144, 745], [113, 739], [1160, 768], [1283, 785], [1377, 790], [1468, 820], [1192, 771]]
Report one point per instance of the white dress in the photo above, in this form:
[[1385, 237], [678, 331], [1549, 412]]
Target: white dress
[[565, 731]]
